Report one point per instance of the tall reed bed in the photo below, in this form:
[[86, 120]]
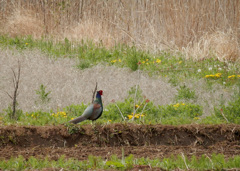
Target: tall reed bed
[[188, 26]]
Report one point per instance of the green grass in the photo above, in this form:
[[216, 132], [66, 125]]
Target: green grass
[[162, 64], [213, 162], [135, 108]]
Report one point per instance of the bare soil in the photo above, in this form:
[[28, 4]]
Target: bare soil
[[152, 141]]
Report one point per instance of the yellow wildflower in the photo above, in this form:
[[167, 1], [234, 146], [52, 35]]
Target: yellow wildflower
[[231, 76], [218, 75], [146, 59], [130, 116], [137, 106], [207, 76], [176, 105], [26, 43], [136, 116], [113, 61], [196, 118], [119, 60], [143, 62], [158, 61], [72, 118], [180, 62]]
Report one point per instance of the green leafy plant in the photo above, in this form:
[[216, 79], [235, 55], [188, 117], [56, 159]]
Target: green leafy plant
[[9, 112], [185, 93], [43, 95], [72, 129]]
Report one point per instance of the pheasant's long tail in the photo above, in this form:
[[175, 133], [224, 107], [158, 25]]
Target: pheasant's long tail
[[78, 119]]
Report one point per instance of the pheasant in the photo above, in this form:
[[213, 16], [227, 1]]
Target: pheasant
[[93, 111]]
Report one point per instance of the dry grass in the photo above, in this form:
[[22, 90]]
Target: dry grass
[[199, 27], [69, 85], [218, 45], [22, 23]]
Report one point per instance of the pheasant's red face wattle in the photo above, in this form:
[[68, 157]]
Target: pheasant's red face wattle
[[100, 92]]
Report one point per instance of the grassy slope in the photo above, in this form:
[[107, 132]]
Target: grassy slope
[[173, 79]]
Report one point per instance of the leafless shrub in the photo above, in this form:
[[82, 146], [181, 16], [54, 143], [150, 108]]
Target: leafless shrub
[[15, 80]]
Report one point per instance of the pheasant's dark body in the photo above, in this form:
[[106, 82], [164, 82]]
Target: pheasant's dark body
[[93, 111]]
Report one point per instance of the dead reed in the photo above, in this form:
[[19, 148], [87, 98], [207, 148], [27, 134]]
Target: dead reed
[[193, 27]]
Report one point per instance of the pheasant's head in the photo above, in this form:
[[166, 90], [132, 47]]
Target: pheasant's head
[[100, 92]]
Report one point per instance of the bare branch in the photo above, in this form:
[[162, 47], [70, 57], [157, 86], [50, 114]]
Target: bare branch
[[15, 80], [8, 94], [94, 92]]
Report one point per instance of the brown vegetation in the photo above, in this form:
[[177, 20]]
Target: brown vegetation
[[199, 28]]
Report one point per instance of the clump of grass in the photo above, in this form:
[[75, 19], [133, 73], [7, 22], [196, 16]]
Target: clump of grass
[[213, 162], [185, 93], [43, 95]]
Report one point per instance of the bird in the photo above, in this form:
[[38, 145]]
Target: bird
[[93, 111]]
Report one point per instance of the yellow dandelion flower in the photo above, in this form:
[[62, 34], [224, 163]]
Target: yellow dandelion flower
[[130, 116], [146, 59], [26, 43], [143, 62], [218, 75], [238, 76], [176, 105], [109, 120], [119, 60], [72, 118], [158, 61], [137, 106], [231, 76], [136, 116]]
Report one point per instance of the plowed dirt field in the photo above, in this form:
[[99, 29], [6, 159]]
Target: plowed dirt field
[[105, 140]]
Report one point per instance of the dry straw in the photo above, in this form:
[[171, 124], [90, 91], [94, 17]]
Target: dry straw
[[154, 24]]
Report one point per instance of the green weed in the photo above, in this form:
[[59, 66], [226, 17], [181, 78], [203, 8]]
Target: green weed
[[213, 162], [43, 95], [184, 93]]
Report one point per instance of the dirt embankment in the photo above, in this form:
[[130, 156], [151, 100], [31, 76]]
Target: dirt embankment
[[105, 140]]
